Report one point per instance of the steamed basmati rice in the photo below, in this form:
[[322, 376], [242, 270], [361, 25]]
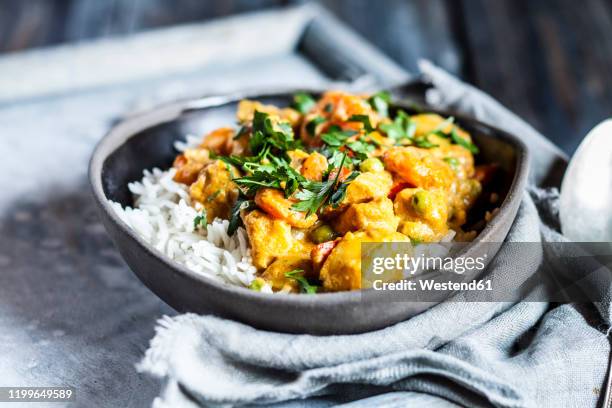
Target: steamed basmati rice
[[163, 216]]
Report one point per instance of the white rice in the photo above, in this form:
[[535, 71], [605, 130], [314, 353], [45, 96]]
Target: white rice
[[164, 217]]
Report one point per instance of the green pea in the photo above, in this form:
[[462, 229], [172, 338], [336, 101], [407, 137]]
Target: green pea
[[322, 233], [257, 284], [371, 165], [421, 201]]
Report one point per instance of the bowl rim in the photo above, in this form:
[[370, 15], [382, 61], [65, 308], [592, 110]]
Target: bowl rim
[[133, 124]]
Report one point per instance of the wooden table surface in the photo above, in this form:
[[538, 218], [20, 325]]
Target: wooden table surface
[[548, 60]]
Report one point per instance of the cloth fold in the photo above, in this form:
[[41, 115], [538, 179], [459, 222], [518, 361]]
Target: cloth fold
[[528, 354]]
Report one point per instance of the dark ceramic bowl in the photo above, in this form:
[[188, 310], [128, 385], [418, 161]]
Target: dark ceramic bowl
[[146, 141]]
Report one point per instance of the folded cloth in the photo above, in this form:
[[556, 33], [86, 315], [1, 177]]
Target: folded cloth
[[528, 354]]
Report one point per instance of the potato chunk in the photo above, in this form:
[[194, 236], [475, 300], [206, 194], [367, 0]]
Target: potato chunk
[[215, 190], [314, 167], [189, 163], [368, 186], [222, 142], [269, 238], [273, 202], [342, 268], [373, 215], [419, 167]]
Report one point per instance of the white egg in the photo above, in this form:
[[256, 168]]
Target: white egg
[[586, 192]]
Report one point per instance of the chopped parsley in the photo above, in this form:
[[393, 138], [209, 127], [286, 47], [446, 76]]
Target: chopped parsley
[[336, 137], [266, 137], [311, 127], [242, 203], [424, 142], [365, 119], [269, 165], [274, 173], [200, 220], [380, 102], [241, 132], [315, 194], [402, 128], [361, 148], [454, 135], [305, 286], [303, 103], [463, 142]]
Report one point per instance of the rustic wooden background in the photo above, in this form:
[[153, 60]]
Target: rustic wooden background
[[548, 60]]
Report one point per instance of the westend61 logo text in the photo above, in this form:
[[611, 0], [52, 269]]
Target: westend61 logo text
[[412, 264]]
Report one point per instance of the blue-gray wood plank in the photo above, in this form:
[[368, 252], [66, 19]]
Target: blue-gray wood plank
[[549, 60]]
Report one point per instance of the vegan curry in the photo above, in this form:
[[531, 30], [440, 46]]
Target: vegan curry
[[311, 182]]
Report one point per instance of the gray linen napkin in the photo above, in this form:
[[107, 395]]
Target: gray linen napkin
[[527, 354]]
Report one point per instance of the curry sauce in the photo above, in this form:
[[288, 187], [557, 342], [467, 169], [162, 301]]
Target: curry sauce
[[311, 182]]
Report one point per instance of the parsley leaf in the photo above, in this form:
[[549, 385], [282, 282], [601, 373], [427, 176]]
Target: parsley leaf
[[315, 194], [242, 203], [335, 137], [305, 286], [464, 142], [365, 119], [241, 132], [303, 103], [454, 135], [311, 126], [361, 148], [200, 220], [402, 128], [276, 173], [266, 137], [423, 142], [380, 102], [338, 196]]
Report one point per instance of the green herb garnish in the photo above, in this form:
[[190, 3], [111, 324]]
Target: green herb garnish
[[242, 203], [424, 143], [454, 135], [273, 174], [335, 137], [303, 103], [305, 286], [200, 220], [266, 137], [402, 128], [315, 194], [380, 102], [311, 126], [463, 142], [241, 132], [361, 148], [365, 119]]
